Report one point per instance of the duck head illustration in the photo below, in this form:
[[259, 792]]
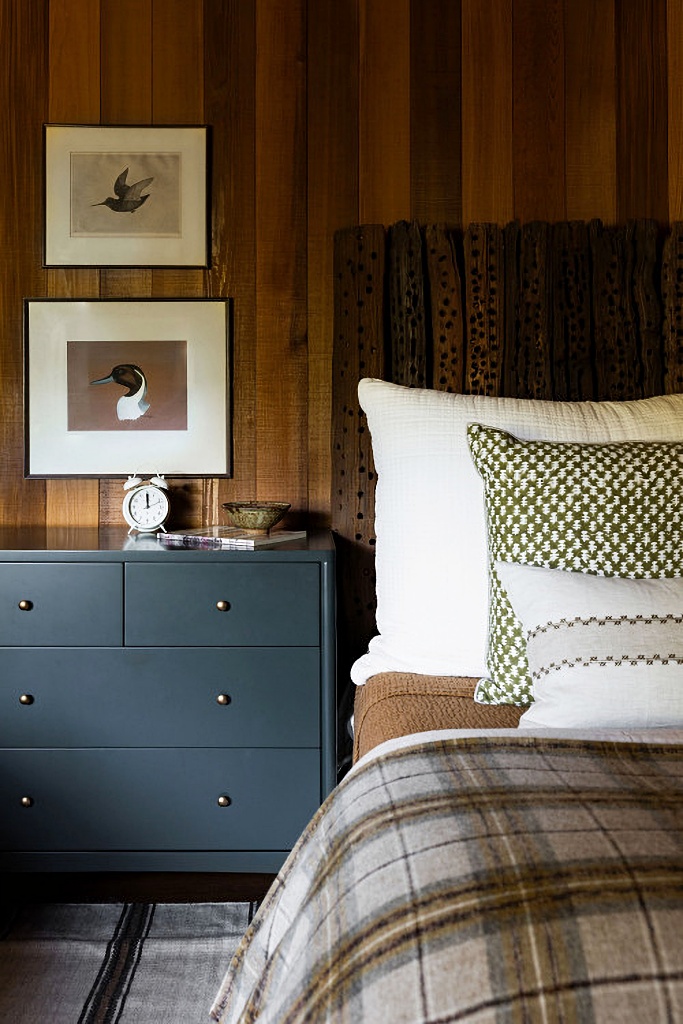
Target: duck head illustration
[[133, 404]]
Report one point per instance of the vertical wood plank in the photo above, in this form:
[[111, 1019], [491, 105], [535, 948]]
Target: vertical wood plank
[[125, 284], [125, 98], [74, 88], [23, 89], [648, 309], [384, 111], [642, 150], [281, 251], [178, 98], [487, 186], [590, 106], [359, 271], [573, 365], [538, 115], [672, 293], [407, 319], [484, 260], [126, 27], [447, 313], [359, 351], [612, 253], [230, 106], [74, 69], [674, 38], [534, 313], [512, 244], [177, 52], [435, 112], [332, 138]]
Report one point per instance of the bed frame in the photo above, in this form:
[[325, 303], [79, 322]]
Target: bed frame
[[568, 311]]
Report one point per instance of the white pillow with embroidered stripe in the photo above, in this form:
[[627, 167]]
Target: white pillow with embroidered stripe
[[603, 651]]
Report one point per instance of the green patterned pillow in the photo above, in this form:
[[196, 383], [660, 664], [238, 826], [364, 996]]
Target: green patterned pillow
[[607, 509]]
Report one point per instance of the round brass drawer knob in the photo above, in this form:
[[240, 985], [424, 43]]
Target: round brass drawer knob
[[27, 801], [223, 698], [223, 606], [25, 605], [26, 698], [224, 801]]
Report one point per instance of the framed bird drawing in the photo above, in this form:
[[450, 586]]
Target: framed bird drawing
[[116, 383], [129, 196]]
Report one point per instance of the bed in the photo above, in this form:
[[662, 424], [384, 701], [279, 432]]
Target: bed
[[508, 844]]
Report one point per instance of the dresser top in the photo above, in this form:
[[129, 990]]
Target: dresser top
[[116, 545]]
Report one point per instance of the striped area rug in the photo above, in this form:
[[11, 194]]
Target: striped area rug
[[125, 963]]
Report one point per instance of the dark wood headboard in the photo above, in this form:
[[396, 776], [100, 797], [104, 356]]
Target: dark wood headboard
[[568, 311]]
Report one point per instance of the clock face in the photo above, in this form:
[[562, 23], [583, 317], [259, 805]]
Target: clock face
[[146, 508]]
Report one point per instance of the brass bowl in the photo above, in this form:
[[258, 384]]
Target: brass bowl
[[255, 515]]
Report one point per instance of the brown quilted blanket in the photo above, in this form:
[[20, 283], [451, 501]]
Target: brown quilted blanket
[[400, 703], [479, 879]]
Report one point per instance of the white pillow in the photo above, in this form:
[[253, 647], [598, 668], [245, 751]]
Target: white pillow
[[431, 556], [602, 650]]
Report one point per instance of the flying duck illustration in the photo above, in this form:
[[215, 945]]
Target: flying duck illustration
[[128, 196], [133, 404]]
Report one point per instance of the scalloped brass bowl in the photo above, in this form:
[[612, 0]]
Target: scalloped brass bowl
[[255, 515]]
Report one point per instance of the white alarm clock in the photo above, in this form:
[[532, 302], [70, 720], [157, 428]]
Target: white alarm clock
[[146, 506]]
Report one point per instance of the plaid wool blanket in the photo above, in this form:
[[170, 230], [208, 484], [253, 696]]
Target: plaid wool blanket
[[480, 879]]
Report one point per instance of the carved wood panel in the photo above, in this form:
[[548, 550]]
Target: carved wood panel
[[359, 351]]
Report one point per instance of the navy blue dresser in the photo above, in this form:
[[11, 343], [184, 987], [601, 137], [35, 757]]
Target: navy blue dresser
[[162, 709]]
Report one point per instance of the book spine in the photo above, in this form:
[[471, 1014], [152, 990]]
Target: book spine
[[182, 541]]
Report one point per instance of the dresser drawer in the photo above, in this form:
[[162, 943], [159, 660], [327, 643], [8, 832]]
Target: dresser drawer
[[156, 799], [61, 604], [80, 697], [222, 604]]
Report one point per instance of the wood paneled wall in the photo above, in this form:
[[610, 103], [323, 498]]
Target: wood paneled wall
[[324, 114]]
